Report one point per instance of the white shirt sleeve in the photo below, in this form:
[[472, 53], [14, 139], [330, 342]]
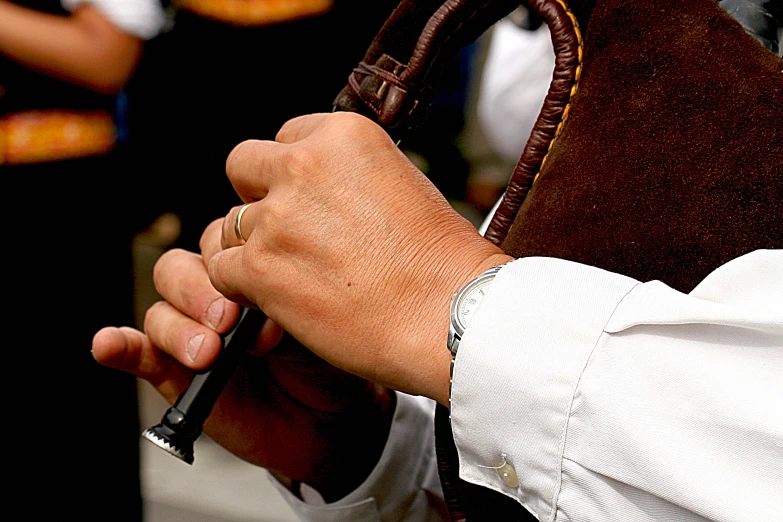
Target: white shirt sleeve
[[141, 18], [403, 487], [617, 400]]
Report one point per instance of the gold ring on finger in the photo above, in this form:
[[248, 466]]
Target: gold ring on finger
[[238, 225]]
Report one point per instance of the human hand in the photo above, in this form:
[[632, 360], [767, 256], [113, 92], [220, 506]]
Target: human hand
[[350, 249], [284, 408]]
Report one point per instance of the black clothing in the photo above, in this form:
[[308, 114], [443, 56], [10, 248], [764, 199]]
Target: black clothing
[[207, 85], [68, 259]]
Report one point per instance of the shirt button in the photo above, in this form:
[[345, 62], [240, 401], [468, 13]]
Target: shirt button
[[508, 475]]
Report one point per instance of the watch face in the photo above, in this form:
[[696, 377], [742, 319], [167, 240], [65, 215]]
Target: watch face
[[469, 301]]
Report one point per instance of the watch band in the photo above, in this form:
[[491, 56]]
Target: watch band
[[459, 313], [458, 307]]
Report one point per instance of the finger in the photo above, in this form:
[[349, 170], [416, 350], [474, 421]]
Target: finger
[[299, 128], [211, 239], [253, 165], [181, 278], [232, 232], [211, 247], [186, 340], [129, 350], [269, 337], [231, 283], [271, 332]]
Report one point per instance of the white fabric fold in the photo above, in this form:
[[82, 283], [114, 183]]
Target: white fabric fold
[[616, 400], [404, 484], [513, 386]]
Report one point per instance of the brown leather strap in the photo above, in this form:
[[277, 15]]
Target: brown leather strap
[[567, 42], [394, 83], [394, 86], [682, 159]]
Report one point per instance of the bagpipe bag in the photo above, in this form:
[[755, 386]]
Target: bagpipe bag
[[658, 153]]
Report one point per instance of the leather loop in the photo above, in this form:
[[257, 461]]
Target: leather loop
[[567, 42], [394, 86], [418, 37], [396, 92]]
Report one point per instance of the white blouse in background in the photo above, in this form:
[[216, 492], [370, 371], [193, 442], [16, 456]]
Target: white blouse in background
[[141, 18]]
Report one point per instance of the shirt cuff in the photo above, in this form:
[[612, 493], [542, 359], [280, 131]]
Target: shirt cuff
[[404, 484], [517, 368], [141, 18]]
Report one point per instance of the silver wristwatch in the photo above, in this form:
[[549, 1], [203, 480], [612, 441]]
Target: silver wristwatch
[[465, 303]]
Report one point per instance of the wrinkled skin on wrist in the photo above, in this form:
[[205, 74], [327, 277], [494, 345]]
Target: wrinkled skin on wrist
[[350, 249]]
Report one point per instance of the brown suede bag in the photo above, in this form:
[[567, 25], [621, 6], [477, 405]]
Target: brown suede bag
[[658, 152]]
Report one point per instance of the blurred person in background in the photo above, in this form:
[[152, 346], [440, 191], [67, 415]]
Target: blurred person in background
[[513, 82], [62, 65], [229, 70]]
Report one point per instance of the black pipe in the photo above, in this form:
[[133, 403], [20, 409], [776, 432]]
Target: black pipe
[[183, 423]]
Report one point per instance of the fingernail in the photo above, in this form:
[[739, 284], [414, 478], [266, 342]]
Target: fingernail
[[194, 345], [215, 312]]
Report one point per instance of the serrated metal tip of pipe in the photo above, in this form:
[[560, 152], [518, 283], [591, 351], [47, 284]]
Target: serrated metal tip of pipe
[[162, 443]]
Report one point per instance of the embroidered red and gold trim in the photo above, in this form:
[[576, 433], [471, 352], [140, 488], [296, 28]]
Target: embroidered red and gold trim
[[43, 136], [256, 12]]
